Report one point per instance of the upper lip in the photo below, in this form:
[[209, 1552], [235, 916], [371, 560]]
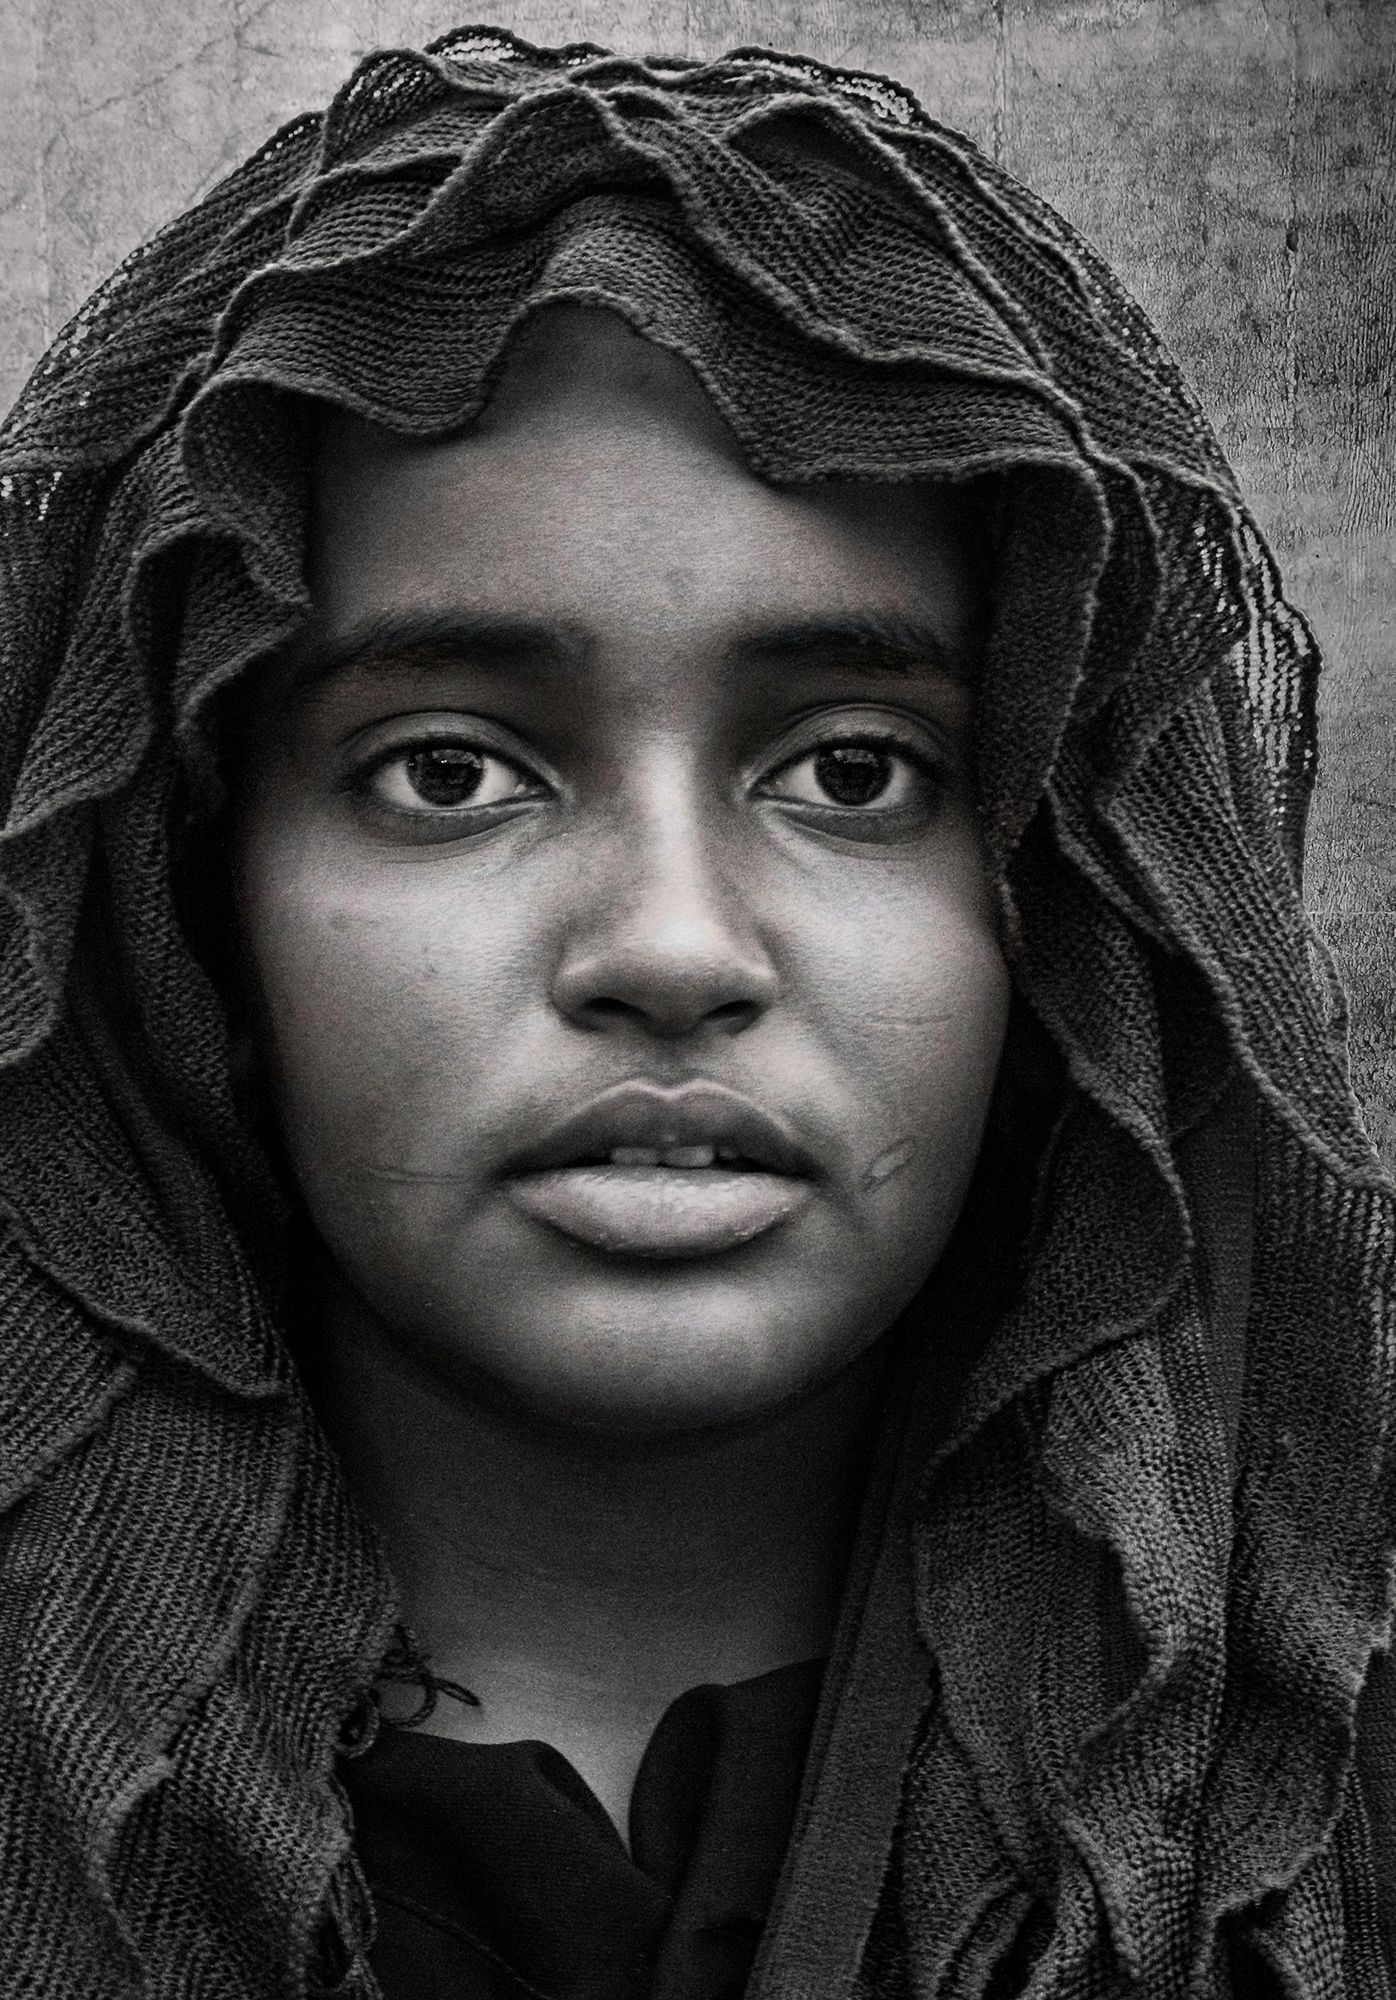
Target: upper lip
[[650, 1114]]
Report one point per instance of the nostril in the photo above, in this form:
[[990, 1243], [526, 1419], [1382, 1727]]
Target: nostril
[[667, 1015], [609, 1009], [737, 1011]]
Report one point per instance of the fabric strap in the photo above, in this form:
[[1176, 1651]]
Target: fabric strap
[[879, 1678], [878, 1681]]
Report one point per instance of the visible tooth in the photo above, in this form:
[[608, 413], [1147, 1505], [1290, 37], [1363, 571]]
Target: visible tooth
[[728, 1153], [664, 1156]]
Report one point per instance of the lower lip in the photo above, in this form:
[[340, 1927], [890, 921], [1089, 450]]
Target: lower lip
[[660, 1211]]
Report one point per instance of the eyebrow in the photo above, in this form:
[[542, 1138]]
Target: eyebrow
[[386, 642], [860, 639], [393, 642]]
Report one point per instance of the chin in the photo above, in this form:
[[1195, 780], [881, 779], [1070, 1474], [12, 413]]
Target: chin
[[661, 1395]]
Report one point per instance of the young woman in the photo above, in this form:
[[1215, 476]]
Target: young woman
[[694, 1302]]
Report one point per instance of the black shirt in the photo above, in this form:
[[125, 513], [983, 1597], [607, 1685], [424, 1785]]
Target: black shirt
[[497, 1873]]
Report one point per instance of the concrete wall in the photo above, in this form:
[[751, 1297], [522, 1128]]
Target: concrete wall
[[1234, 159]]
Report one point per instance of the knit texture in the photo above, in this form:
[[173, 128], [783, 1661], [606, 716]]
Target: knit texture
[[1148, 1591]]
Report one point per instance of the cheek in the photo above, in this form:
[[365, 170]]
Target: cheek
[[936, 1066], [912, 990], [916, 1017], [931, 1057], [377, 1001]]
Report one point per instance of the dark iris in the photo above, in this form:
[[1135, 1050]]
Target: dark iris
[[445, 775], [852, 773]]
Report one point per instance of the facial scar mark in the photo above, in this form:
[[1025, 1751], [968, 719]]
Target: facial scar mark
[[907, 1020], [889, 1163]]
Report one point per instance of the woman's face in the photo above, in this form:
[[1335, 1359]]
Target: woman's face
[[616, 799]]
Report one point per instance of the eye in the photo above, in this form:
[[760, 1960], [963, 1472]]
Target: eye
[[875, 772], [444, 777]]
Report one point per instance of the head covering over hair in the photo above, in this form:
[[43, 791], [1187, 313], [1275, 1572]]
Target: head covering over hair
[[1093, 1727]]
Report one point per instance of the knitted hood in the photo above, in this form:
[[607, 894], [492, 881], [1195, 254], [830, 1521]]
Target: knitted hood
[[1093, 1712]]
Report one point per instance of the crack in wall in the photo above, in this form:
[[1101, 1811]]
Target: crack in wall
[[1292, 274], [999, 127]]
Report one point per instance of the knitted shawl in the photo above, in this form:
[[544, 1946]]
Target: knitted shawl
[[1109, 1712]]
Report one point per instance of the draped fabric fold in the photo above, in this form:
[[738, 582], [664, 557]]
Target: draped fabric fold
[[1144, 1585]]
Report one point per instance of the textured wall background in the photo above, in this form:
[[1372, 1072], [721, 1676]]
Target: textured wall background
[[1234, 159]]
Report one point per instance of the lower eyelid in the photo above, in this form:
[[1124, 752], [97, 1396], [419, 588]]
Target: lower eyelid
[[440, 827]]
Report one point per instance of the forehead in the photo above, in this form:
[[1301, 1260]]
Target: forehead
[[601, 493]]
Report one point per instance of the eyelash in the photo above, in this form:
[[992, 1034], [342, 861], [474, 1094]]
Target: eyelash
[[361, 781], [931, 769]]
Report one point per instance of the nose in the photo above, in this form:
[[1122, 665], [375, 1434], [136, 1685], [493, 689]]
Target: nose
[[664, 938]]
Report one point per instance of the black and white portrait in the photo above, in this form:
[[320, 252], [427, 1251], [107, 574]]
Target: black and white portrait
[[697, 781]]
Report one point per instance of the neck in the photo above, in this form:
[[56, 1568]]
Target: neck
[[574, 1582]]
